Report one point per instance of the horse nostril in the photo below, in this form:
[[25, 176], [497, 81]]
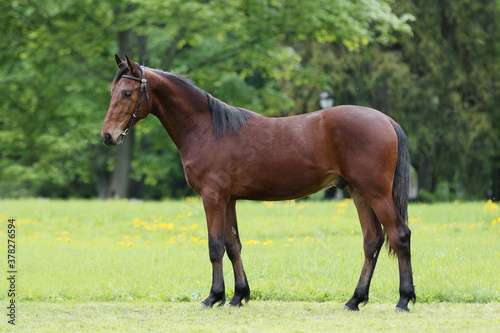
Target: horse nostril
[[108, 139]]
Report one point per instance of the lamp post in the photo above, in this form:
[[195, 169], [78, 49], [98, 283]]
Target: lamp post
[[326, 100]]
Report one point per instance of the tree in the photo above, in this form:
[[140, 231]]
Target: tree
[[56, 65], [440, 84]]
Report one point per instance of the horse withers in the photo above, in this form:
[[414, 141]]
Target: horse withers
[[231, 153]]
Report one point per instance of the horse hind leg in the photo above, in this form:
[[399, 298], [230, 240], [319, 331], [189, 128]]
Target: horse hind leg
[[399, 236], [233, 249], [373, 238]]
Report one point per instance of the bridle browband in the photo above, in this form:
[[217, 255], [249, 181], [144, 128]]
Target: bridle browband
[[144, 88]]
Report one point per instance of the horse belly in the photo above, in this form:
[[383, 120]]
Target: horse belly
[[283, 181]]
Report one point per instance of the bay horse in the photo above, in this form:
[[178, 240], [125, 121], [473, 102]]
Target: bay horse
[[230, 153]]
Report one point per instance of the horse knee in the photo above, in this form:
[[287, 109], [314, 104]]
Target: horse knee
[[400, 241], [372, 245], [233, 250], [215, 249]]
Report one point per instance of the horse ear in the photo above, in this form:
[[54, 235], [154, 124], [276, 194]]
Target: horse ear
[[120, 63], [132, 66]]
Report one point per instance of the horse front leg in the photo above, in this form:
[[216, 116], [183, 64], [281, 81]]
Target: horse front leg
[[233, 248], [215, 211]]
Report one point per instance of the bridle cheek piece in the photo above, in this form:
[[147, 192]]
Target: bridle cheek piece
[[144, 88]]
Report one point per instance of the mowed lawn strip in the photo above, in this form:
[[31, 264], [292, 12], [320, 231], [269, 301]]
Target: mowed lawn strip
[[258, 316]]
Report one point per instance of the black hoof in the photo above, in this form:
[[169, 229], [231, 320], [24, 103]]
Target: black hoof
[[211, 301], [348, 308], [236, 305], [400, 309]]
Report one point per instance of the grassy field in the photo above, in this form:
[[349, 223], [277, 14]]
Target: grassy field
[[148, 262]]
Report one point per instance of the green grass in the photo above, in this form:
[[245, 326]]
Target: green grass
[[109, 255], [258, 316]]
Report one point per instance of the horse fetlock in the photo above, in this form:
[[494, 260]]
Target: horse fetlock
[[241, 292], [213, 299]]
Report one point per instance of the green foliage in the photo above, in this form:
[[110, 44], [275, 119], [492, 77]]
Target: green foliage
[[429, 65]]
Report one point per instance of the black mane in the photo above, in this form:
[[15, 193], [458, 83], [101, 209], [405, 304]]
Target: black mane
[[122, 71], [225, 118]]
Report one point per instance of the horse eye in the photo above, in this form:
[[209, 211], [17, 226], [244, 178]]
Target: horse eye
[[127, 94]]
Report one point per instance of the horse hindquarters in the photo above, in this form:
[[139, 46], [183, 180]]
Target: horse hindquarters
[[389, 206]]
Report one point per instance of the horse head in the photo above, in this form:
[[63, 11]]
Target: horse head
[[128, 89]]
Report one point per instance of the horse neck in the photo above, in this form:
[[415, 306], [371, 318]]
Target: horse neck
[[183, 111]]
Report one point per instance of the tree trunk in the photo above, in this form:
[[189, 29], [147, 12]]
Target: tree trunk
[[120, 177], [495, 194]]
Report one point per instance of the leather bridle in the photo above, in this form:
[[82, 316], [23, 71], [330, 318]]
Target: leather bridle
[[144, 88]]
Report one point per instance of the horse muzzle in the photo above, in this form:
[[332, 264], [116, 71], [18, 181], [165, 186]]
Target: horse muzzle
[[108, 139]]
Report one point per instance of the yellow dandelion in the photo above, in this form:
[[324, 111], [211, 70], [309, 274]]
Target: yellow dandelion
[[194, 226], [269, 242], [203, 241], [286, 244], [189, 214], [130, 244], [443, 227], [179, 216], [438, 239], [351, 232], [269, 204], [168, 226], [172, 239], [138, 223], [341, 211], [127, 237], [137, 237], [59, 239], [473, 225], [334, 218], [65, 233], [121, 243], [181, 235], [195, 239], [491, 206], [67, 240], [341, 204], [290, 239]]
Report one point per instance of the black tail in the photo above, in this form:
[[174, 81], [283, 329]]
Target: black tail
[[401, 185]]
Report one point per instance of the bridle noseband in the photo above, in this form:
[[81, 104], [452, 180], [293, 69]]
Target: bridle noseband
[[144, 88]]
